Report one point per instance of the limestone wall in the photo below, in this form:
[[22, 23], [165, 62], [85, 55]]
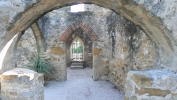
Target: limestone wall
[[122, 47], [131, 50], [25, 49], [100, 63], [151, 85], [54, 24], [59, 20], [156, 17], [22, 84]]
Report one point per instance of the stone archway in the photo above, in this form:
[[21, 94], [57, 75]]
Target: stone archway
[[81, 49], [70, 30], [155, 27], [79, 25], [152, 25]]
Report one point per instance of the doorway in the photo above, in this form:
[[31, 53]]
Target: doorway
[[76, 50]]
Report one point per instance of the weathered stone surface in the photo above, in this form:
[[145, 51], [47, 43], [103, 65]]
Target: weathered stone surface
[[67, 20], [57, 50], [26, 49], [174, 96], [10, 77], [163, 85], [127, 49], [152, 92], [126, 46], [141, 80], [55, 59], [97, 51], [132, 51], [39, 37], [129, 12], [16, 83], [155, 17]]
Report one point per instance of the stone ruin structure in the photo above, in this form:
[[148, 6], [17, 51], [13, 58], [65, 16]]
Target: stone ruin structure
[[131, 43]]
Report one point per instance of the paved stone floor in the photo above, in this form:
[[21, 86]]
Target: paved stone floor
[[80, 86]]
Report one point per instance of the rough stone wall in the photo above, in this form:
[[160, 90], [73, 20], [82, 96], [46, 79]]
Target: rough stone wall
[[10, 10], [22, 84], [100, 63], [131, 49], [7, 56], [25, 49], [55, 23], [166, 10], [151, 85], [156, 17], [57, 59], [59, 20], [123, 46]]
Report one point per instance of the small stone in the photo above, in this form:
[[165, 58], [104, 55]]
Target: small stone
[[141, 80], [57, 50], [174, 96], [152, 92], [96, 51], [125, 49]]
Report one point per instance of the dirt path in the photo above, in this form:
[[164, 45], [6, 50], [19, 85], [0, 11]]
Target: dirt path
[[80, 86]]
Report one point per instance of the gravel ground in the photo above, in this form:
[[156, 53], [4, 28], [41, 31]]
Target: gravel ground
[[80, 86]]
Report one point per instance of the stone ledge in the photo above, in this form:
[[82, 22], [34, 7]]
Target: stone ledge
[[22, 84], [151, 85]]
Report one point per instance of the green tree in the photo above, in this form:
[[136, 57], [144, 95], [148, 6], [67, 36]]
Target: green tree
[[78, 49]]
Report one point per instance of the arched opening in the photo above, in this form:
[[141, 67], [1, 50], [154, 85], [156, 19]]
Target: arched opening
[[77, 49], [78, 38], [70, 30], [77, 8], [132, 12], [152, 26], [7, 53]]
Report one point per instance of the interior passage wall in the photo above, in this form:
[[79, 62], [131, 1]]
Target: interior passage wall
[[123, 46], [133, 50], [59, 20], [26, 49], [54, 24], [157, 18]]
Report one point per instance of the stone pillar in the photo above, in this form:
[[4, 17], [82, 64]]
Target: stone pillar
[[100, 67], [58, 61], [22, 84]]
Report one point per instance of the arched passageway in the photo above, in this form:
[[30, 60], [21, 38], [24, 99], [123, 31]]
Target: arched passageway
[[152, 49], [77, 30], [79, 25], [77, 49], [130, 10], [157, 30]]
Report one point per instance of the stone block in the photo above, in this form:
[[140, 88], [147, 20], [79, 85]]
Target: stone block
[[125, 49], [174, 96], [96, 51], [55, 59], [57, 50], [141, 80], [152, 92], [22, 84], [151, 85]]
